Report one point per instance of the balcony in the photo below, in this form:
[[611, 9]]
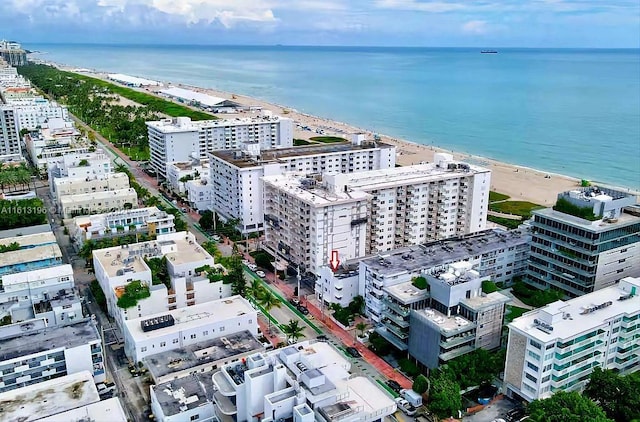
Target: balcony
[[455, 353], [399, 309], [398, 332], [223, 385], [397, 343], [401, 322], [456, 341]]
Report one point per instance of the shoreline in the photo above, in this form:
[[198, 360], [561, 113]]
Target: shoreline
[[518, 182]]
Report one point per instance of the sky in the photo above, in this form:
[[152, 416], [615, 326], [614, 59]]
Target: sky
[[439, 23]]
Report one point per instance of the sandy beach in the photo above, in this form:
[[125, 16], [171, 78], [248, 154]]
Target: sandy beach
[[520, 183]]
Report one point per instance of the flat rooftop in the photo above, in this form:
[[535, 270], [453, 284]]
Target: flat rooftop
[[218, 349], [92, 196], [241, 159], [624, 220], [185, 124], [179, 248], [481, 302], [30, 240], [365, 398], [183, 394], [33, 254], [47, 398], [315, 195], [32, 340], [193, 316], [407, 293], [444, 323], [428, 255], [109, 410], [408, 175], [581, 314]]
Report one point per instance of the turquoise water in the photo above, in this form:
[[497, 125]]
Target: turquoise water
[[575, 112]]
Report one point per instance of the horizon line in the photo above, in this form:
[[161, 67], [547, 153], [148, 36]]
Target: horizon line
[[147, 44]]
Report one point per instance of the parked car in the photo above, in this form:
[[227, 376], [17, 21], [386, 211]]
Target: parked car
[[405, 406], [294, 301], [393, 384], [354, 352], [303, 309], [246, 262], [216, 237], [322, 337], [261, 274], [252, 267]]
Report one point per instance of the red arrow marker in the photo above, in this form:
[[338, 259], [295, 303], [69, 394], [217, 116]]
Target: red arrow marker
[[335, 262]]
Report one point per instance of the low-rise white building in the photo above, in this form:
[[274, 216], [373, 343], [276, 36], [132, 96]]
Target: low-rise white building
[[57, 137], [178, 173], [556, 348], [187, 282], [199, 194], [71, 398], [237, 191], [97, 202], [170, 330], [66, 186], [150, 221], [32, 352], [306, 382], [180, 139], [90, 164]]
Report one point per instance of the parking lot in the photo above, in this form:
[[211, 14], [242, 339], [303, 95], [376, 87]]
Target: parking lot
[[500, 409]]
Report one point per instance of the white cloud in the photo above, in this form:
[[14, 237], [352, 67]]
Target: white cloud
[[475, 27], [420, 6]]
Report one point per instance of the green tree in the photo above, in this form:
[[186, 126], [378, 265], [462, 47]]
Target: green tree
[[264, 260], [361, 327], [236, 273], [255, 290], [293, 330], [618, 396], [444, 397], [206, 220], [268, 301], [420, 384], [566, 407]]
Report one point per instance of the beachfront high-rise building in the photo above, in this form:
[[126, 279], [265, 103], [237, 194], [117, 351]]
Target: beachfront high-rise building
[[405, 206], [181, 139], [236, 188], [305, 222], [13, 53], [555, 348], [588, 241]]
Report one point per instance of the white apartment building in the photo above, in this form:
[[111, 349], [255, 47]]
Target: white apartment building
[[50, 401], [496, 254], [193, 170], [34, 283], [32, 352], [305, 382], [188, 284], [414, 204], [55, 138], [90, 164], [32, 113], [199, 194], [305, 223], [404, 206], [171, 330], [150, 221], [180, 139], [9, 133], [97, 202], [237, 191], [65, 186], [555, 348]]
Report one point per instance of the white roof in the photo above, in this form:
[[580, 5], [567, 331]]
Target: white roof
[[581, 314], [193, 316], [132, 79], [47, 398], [187, 94], [109, 410]]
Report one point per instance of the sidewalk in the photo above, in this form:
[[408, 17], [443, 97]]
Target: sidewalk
[[345, 336]]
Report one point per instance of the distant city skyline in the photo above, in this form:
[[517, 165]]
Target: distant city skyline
[[443, 23]]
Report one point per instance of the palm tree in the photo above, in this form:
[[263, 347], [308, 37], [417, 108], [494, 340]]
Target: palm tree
[[293, 330], [361, 326], [268, 301], [255, 290]]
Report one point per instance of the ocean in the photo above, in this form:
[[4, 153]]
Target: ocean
[[567, 111]]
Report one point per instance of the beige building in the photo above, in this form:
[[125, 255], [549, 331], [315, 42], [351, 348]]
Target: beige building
[[97, 202], [66, 186]]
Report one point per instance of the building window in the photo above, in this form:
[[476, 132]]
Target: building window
[[195, 417], [143, 349], [175, 341], [534, 355], [531, 377], [535, 344], [163, 343], [193, 336], [532, 366]]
